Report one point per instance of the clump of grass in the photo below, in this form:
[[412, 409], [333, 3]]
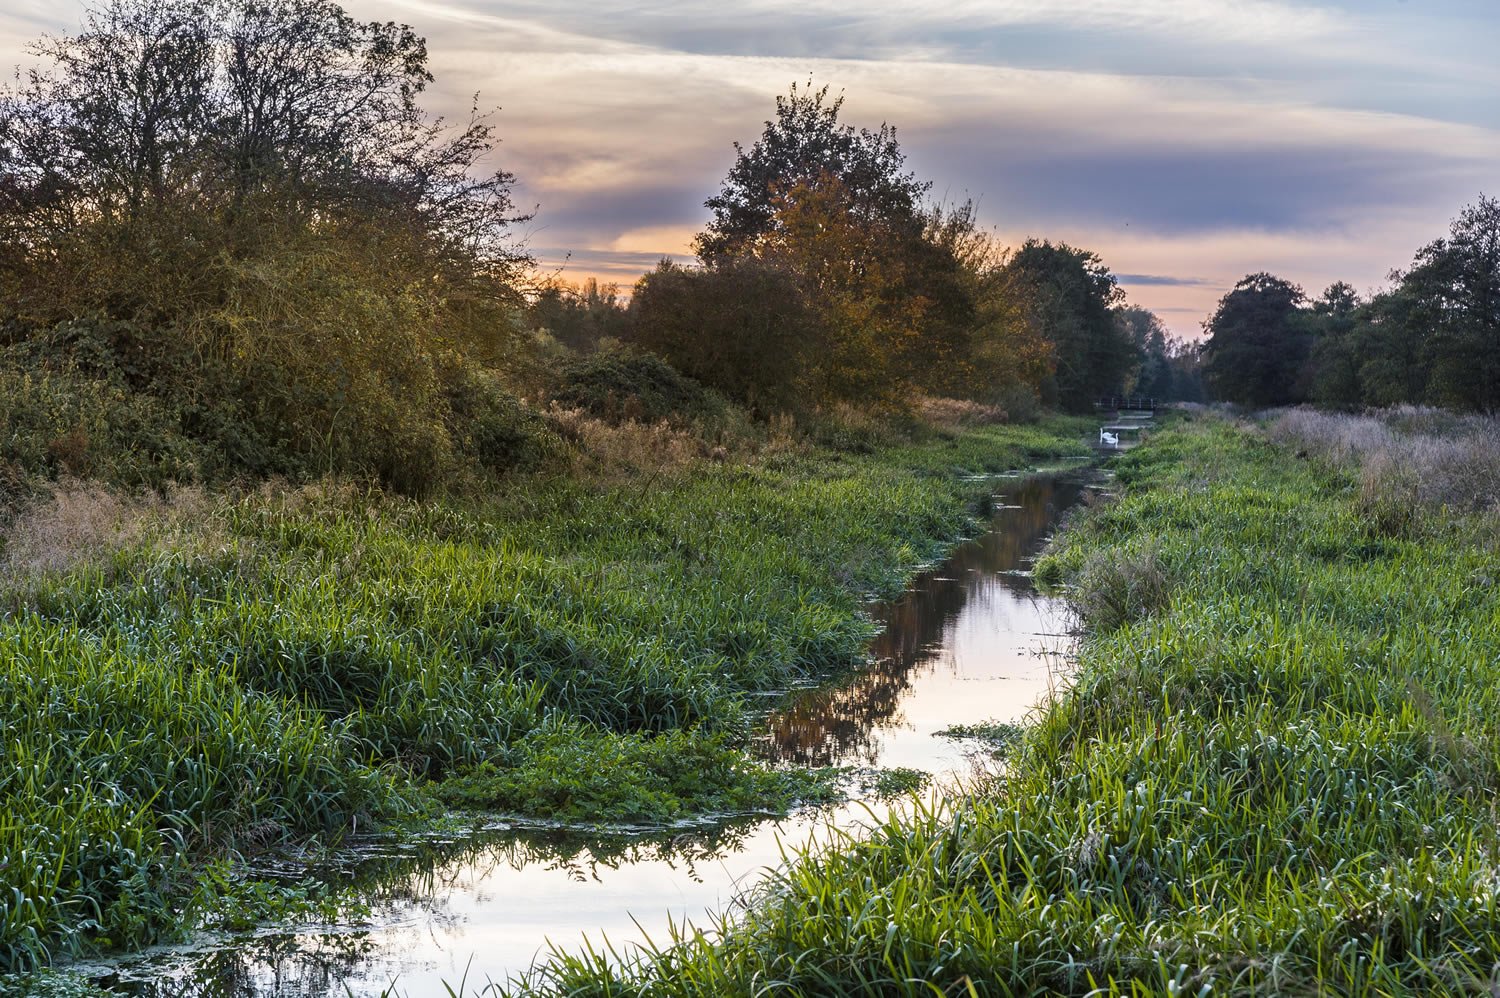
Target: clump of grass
[[76, 524], [623, 449], [893, 782], [579, 776], [1119, 585], [958, 412], [997, 737]]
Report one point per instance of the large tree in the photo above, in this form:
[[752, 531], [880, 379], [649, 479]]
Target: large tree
[[1257, 345], [1069, 296], [804, 145], [834, 208]]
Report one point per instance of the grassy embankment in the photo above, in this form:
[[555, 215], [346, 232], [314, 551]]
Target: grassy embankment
[[186, 679], [1276, 771]]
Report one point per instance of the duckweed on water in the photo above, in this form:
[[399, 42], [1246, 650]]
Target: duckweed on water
[[311, 660], [1276, 776]]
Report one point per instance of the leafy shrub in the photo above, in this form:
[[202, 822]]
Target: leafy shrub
[[65, 422], [623, 385], [128, 404], [742, 327], [1020, 402], [492, 426]]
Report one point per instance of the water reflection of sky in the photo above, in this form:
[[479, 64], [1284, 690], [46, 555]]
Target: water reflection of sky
[[970, 641], [961, 645]]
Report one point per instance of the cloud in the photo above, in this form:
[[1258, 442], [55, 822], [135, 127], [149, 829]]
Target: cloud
[[1209, 138], [1162, 281]]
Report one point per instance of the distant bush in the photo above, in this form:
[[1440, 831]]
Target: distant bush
[[1021, 403], [630, 448], [622, 385]]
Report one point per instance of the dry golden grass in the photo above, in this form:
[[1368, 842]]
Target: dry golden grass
[[79, 523], [619, 450], [958, 412]]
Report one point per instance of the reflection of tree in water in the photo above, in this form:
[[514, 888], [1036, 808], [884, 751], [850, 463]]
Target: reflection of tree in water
[[397, 879], [280, 964], [839, 723]]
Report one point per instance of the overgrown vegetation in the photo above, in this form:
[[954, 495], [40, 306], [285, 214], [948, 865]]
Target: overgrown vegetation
[[200, 675], [321, 510], [1279, 779], [233, 222]]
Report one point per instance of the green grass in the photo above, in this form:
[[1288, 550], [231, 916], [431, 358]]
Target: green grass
[[316, 660], [1276, 772]]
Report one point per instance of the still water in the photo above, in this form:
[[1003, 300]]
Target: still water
[[969, 641]]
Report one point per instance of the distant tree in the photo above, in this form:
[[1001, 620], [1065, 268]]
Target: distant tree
[[1153, 375], [1009, 359], [1337, 352], [1393, 350], [1069, 296], [1185, 358], [1451, 300], [803, 145], [1257, 346], [861, 274], [581, 317]]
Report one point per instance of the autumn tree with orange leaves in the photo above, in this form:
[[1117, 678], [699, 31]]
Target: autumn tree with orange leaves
[[903, 295]]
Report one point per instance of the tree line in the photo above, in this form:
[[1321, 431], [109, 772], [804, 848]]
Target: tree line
[[1431, 338], [826, 276], [233, 242]]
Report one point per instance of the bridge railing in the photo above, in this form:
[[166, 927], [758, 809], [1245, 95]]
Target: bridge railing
[[1127, 403]]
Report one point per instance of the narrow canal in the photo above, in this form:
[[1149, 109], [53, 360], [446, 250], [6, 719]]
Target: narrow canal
[[970, 641]]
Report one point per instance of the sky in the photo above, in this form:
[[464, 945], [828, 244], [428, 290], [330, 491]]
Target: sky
[[1187, 142]]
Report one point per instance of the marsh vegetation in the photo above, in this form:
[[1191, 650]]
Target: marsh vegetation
[[323, 511], [1274, 771]]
